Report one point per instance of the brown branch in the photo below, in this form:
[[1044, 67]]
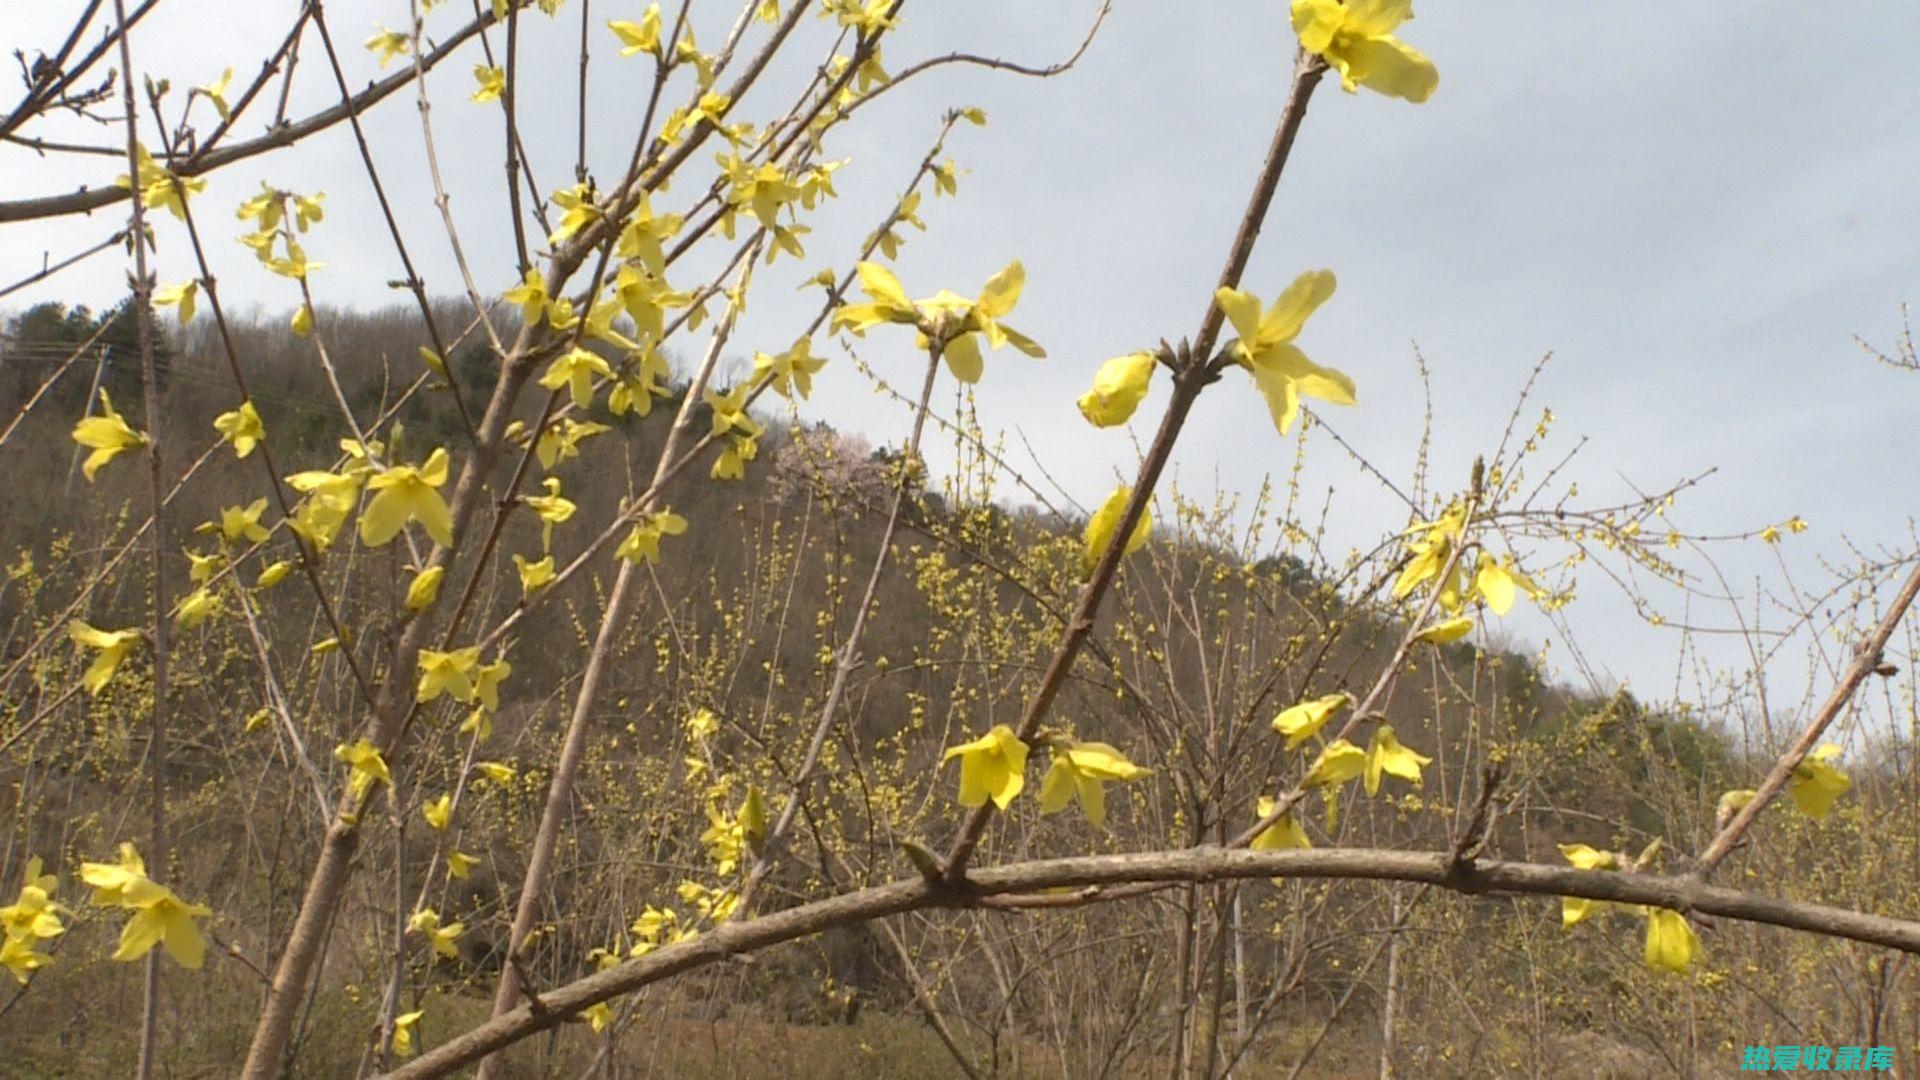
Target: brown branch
[[91, 198], [157, 846], [1193, 371], [1865, 659], [1199, 864]]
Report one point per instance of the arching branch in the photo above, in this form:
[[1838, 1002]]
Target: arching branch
[[1200, 864], [92, 198]]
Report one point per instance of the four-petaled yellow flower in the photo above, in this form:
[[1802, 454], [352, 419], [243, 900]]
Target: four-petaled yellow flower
[[389, 45], [159, 917], [241, 427], [1284, 834], [1446, 630], [1574, 909], [112, 646], [426, 922], [552, 509], [439, 811], [581, 211], [991, 767], [729, 411], [1118, 389], [1495, 583], [1816, 783], [1105, 522], [197, 607], [1431, 551], [243, 523], [366, 766], [1356, 38], [159, 189], [107, 435], [492, 80], [1671, 942], [406, 493], [1303, 721], [216, 92], [182, 294], [448, 672], [643, 36], [643, 542], [791, 371], [1386, 755], [21, 957], [575, 370], [403, 1032], [1339, 762], [945, 317], [561, 442], [1265, 346], [486, 683], [33, 917], [535, 304], [534, 575], [1078, 770]]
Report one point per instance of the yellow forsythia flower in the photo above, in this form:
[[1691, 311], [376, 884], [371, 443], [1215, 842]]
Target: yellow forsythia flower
[[425, 588], [406, 493], [1671, 943], [643, 36], [107, 435], [403, 1033], [112, 646], [159, 917], [1574, 909], [1338, 763], [535, 575], [1105, 522], [439, 811], [426, 922], [447, 672], [1303, 721], [791, 371], [182, 294], [1386, 755], [1356, 38], [243, 523], [643, 543], [991, 767], [1816, 784], [241, 427], [1284, 834], [1280, 371], [1446, 630], [575, 369], [366, 765], [492, 80], [551, 508], [1118, 389], [389, 44], [1078, 771], [33, 917]]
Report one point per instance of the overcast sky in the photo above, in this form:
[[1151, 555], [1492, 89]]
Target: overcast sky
[[1692, 211]]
